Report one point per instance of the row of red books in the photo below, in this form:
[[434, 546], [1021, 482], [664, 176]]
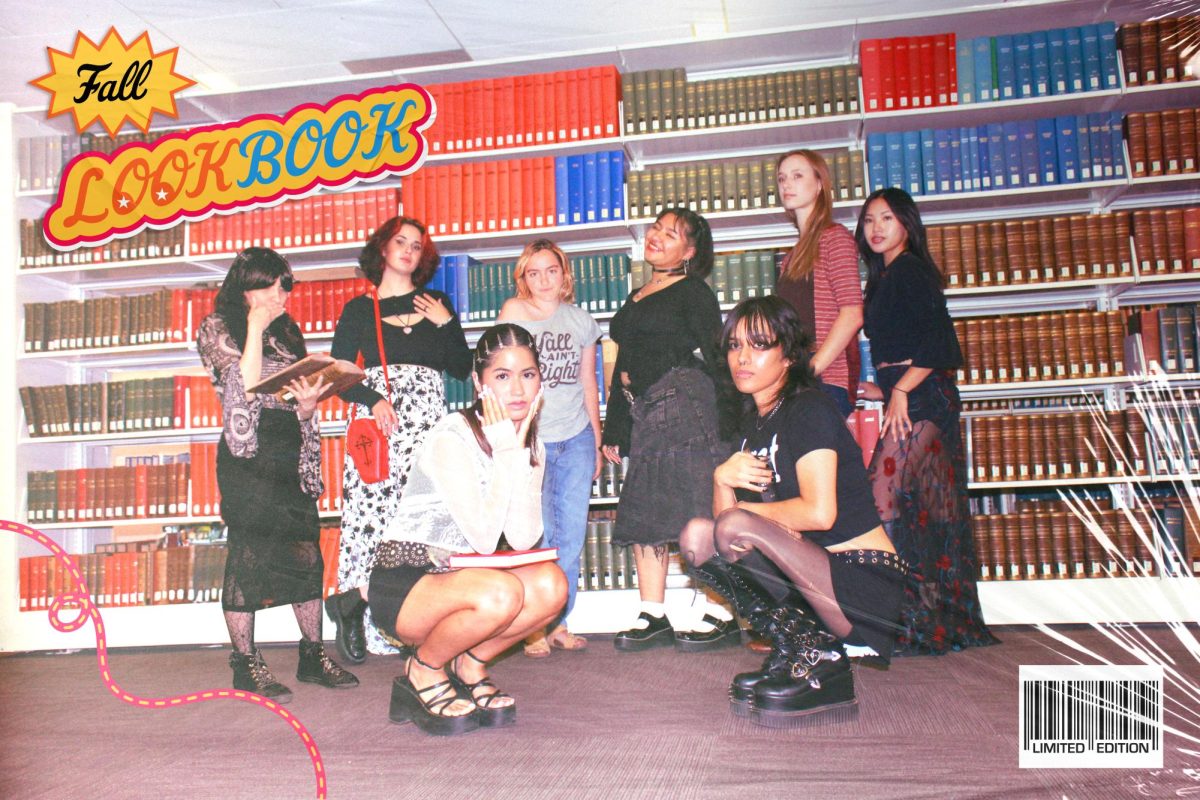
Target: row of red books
[[480, 197], [1055, 545], [1041, 250], [1034, 347], [909, 72], [108, 493], [317, 221], [525, 110], [1159, 51], [1064, 445], [1167, 239], [189, 574], [1163, 142]]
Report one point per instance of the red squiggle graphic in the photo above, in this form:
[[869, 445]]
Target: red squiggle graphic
[[87, 610]]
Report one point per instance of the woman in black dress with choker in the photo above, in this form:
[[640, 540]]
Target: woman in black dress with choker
[[422, 338]]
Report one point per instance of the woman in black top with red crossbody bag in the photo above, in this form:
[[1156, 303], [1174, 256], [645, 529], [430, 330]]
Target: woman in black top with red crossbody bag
[[403, 392], [918, 472]]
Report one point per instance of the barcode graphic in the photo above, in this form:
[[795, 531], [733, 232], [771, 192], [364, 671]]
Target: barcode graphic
[[1081, 716]]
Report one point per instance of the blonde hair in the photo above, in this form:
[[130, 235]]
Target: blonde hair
[[803, 257], [532, 249]]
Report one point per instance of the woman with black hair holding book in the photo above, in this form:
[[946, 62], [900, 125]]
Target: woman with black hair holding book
[[403, 392], [919, 470], [268, 471], [478, 476], [819, 275], [662, 413], [796, 544]]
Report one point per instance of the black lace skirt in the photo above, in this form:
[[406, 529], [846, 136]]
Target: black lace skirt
[[920, 487], [274, 557]]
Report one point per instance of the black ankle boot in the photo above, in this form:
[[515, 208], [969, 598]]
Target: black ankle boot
[[347, 610], [316, 667], [251, 674], [812, 674]]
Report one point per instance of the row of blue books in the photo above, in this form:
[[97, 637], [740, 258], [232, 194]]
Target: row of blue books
[[1036, 152], [1038, 64], [589, 187]]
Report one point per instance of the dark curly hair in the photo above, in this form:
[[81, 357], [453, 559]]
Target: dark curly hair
[[257, 268], [370, 260], [698, 235], [771, 321]]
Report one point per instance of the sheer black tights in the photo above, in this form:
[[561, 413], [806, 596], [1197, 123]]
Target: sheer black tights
[[241, 625], [773, 556]]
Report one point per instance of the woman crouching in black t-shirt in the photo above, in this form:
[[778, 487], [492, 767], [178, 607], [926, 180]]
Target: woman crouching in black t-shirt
[[797, 545]]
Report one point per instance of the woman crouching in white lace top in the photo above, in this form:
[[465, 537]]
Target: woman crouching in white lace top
[[479, 475]]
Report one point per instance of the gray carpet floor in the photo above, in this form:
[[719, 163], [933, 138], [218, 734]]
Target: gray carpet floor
[[596, 724]]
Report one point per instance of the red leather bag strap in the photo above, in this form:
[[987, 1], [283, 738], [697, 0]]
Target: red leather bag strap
[[387, 384]]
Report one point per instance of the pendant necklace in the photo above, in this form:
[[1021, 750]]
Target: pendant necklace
[[758, 423]]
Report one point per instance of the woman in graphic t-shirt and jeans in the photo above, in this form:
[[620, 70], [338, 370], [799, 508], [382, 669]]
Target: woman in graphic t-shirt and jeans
[[569, 426]]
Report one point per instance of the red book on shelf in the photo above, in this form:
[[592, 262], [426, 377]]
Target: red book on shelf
[[914, 71], [887, 74], [360, 217], [928, 84], [479, 196], [490, 194], [543, 109], [343, 218], [178, 315], [433, 134], [490, 124], [575, 87], [611, 97], [289, 224], [561, 105], [179, 489], [441, 208], [868, 432], [503, 559], [458, 115], [141, 490], [943, 54], [952, 64], [477, 101], [516, 185], [179, 401], [903, 75], [872, 79], [506, 124], [527, 122], [528, 207], [503, 196], [592, 123], [38, 585], [23, 590]]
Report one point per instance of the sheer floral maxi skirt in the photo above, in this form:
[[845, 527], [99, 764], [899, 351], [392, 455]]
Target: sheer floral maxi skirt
[[419, 398], [920, 487]]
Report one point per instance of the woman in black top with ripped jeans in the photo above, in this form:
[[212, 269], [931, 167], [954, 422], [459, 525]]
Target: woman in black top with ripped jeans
[[919, 471]]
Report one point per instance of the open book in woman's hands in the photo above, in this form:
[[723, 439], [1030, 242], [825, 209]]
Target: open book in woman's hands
[[339, 374]]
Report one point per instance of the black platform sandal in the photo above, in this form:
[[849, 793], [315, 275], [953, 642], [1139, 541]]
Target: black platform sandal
[[489, 715], [410, 704]]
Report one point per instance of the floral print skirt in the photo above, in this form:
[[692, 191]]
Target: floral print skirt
[[920, 486], [419, 398]]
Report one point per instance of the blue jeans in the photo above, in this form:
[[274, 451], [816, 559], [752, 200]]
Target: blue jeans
[[566, 489]]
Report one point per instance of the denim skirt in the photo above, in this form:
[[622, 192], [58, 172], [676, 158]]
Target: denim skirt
[[674, 448]]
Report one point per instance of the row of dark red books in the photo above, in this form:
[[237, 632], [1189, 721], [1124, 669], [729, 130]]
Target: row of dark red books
[[1163, 142], [909, 72], [1159, 51], [151, 576], [1034, 347], [1041, 250]]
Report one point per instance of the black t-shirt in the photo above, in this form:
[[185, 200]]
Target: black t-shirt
[[905, 317], [806, 422], [443, 349]]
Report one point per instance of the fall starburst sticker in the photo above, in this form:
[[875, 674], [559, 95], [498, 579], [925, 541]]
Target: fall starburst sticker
[[113, 83]]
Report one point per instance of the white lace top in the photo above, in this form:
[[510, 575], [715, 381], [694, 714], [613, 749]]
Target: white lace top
[[459, 500]]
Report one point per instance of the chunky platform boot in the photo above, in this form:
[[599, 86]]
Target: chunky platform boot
[[347, 610], [251, 674], [816, 677], [317, 667]]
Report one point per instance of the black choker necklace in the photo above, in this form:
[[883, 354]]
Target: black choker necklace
[[661, 275], [758, 423]]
